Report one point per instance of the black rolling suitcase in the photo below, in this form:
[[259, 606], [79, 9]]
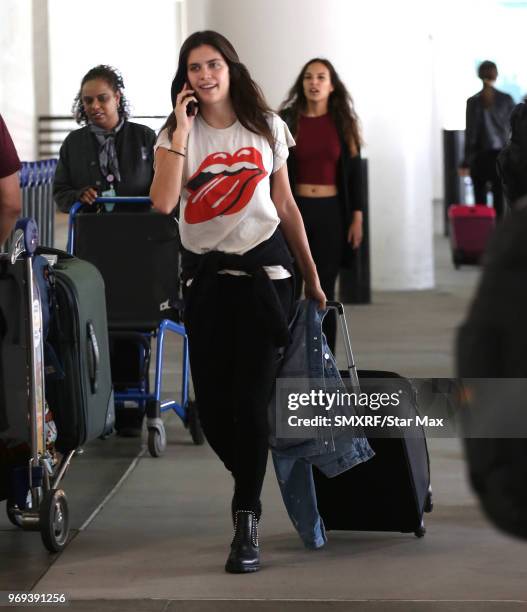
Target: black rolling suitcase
[[81, 401], [14, 373], [390, 491]]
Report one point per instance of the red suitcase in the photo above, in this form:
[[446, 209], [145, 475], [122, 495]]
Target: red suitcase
[[470, 229]]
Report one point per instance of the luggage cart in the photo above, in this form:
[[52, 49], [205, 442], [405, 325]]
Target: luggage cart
[[34, 502], [109, 253]]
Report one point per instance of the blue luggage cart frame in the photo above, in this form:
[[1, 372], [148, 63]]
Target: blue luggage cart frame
[[185, 409]]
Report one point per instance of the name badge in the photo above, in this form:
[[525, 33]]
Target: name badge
[[109, 193]]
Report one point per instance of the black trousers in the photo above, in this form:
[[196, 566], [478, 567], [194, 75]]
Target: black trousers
[[483, 171], [324, 228], [233, 374]]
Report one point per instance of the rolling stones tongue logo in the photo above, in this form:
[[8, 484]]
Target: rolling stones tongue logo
[[223, 184]]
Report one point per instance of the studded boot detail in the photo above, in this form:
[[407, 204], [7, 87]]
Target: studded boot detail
[[245, 555], [234, 507]]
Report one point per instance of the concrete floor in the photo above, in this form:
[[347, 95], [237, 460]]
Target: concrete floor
[[161, 537]]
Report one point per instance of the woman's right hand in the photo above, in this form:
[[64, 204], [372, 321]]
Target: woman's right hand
[[313, 291], [184, 121], [88, 196]]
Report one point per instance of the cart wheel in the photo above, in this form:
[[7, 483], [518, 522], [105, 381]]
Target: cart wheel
[[429, 503], [11, 508], [54, 520], [157, 441], [194, 424], [420, 531]]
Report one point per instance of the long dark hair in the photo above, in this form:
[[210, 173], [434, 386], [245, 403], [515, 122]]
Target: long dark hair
[[115, 81], [340, 104], [247, 98]]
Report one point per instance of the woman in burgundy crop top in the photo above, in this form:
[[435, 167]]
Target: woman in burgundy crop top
[[324, 169]]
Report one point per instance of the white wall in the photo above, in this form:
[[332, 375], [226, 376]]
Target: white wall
[[17, 103], [139, 38], [382, 51]]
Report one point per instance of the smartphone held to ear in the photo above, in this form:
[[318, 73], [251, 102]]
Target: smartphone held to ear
[[192, 108]]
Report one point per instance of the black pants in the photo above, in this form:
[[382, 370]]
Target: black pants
[[483, 171], [324, 228], [233, 374]]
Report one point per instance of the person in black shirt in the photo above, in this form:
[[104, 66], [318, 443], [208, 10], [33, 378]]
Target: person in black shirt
[[110, 155], [486, 133]]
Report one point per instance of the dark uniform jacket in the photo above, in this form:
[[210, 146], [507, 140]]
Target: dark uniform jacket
[[78, 166], [500, 113]]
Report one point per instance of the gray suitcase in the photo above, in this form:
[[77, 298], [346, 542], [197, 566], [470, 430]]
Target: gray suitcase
[[82, 401]]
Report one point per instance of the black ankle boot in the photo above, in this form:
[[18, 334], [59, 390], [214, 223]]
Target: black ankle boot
[[245, 555]]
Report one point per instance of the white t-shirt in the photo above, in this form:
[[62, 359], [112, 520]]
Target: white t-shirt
[[225, 196]]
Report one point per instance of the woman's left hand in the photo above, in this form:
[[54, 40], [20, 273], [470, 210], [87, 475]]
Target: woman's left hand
[[355, 234], [314, 291]]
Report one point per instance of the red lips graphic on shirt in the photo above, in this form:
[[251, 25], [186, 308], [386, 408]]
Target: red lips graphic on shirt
[[223, 184]]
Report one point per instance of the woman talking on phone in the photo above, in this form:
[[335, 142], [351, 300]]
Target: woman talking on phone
[[222, 154]]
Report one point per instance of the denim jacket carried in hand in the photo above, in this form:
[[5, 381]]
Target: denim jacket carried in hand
[[308, 364], [308, 359]]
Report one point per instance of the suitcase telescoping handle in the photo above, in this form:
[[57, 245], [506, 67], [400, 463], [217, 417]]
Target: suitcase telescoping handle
[[93, 357], [352, 368]]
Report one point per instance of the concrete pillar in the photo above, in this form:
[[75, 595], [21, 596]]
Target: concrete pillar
[[17, 97], [382, 53], [41, 69]]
